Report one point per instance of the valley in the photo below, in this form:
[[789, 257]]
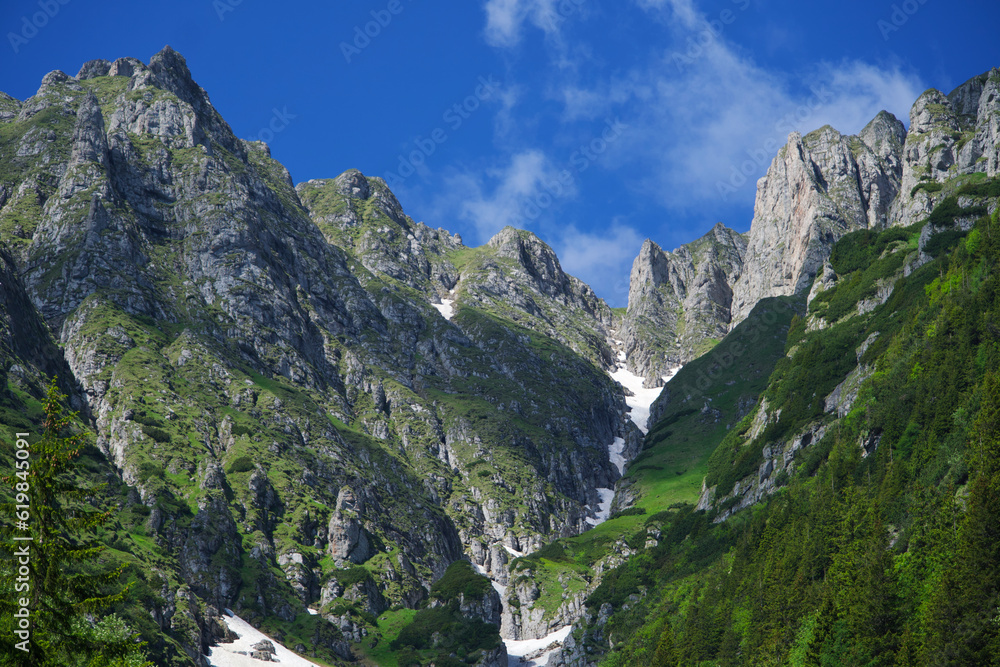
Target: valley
[[305, 414]]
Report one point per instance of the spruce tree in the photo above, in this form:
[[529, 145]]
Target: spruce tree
[[65, 583]]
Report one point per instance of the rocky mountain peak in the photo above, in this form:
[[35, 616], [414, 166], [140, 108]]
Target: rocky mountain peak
[[352, 183], [885, 136], [172, 74], [529, 251], [679, 302], [965, 98], [363, 216], [54, 78], [818, 188], [127, 67], [93, 69], [539, 262], [950, 136], [931, 111]]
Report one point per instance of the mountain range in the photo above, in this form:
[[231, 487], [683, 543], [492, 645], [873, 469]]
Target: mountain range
[[381, 446]]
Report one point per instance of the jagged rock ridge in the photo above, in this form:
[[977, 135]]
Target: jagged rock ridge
[[679, 302], [818, 188]]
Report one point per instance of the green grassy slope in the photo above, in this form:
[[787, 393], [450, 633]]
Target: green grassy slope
[[879, 550], [697, 409]]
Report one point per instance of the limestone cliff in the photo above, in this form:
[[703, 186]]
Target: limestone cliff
[[818, 188], [679, 302]]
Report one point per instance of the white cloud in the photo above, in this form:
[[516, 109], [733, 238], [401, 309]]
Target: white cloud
[[705, 116], [509, 194], [682, 11], [600, 101], [505, 19], [601, 259]]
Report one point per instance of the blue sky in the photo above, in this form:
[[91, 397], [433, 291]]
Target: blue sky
[[594, 123]]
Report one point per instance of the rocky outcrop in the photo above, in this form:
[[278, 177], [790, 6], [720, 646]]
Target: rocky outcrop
[[28, 353], [818, 188], [775, 470], [486, 607], [495, 658], [361, 215], [679, 302], [930, 156], [949, 136], [347, 540], [987, 137], [539, 270], [517, 276], [523, 620]]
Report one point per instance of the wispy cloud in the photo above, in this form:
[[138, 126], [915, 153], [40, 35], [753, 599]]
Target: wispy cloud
[[702, 111], [490, 198], [506, 18], [701, 107], [698, 108], [681, 11]]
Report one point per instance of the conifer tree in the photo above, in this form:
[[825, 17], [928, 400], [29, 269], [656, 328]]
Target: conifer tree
[[65, 583]]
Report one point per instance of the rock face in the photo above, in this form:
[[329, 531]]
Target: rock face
[[818, 188], [517, 275], [949, 136], [679, 302], [347, 541], [362, 216]]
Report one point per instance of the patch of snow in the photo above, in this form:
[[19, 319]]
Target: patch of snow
[[446, 308], [535, 652], [499, 588], [312, 612], [516, 554], [615, 450], [604, 509], [642, 398], [672, 374], [225, 655]]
